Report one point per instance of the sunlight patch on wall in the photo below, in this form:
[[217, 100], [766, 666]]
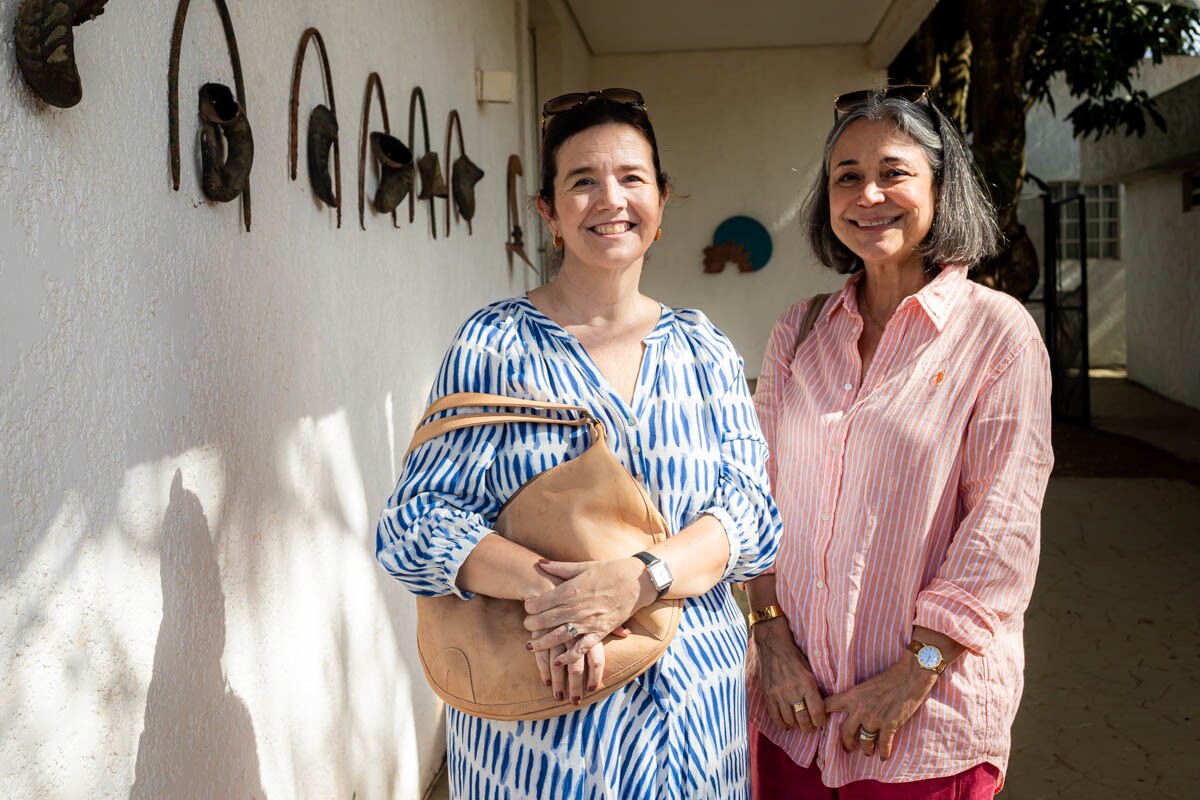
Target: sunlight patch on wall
[[311, 646], [80, 623]]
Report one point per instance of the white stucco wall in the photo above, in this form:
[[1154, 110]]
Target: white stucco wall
[[1051, 149], [1163, 258], [1053, 154], [740, 133], [199, 425]]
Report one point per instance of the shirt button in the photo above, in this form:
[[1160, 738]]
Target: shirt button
[[632, 422], [848, 386], [825, 518], [834, 448], [636, 449], [820, 584], [816, 653], [637, 475]]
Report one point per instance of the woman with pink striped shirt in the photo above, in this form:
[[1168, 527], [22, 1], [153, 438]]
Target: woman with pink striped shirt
[[908, 417]]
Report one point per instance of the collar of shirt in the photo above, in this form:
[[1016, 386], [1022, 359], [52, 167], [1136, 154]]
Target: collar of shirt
[[937, 298]]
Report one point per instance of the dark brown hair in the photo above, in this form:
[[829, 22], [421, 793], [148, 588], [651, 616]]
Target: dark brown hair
[[563, 126]]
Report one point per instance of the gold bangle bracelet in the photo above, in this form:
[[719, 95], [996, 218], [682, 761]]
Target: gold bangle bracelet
[[763, 614]]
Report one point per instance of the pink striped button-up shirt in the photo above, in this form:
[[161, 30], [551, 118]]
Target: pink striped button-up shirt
[[910, 496]]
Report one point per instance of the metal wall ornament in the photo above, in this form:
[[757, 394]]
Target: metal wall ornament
[[464, 174], [322, 134], [226, 144], [430, 168], [321, 139], [45, 44], [225, 169], [742, 241], [395, 171], [516, 237], [374, 88]]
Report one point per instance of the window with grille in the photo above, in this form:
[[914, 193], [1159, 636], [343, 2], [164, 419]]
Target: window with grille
[[1103, 220]]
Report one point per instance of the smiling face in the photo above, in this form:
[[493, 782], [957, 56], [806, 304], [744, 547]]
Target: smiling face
[[881, 194], [607, 206]]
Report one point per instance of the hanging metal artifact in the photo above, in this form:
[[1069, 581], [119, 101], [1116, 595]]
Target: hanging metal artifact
[[430, 168], [432, 183], [322, 135], [516, 237], [395, 171], [45, 44], [227, 145], [374, 87], [464, 174]]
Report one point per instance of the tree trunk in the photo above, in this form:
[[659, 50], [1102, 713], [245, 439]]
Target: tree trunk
[[1001, 31], [939, 55], [955, 83]]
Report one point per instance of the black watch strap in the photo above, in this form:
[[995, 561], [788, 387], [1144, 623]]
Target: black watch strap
[[660, 573]]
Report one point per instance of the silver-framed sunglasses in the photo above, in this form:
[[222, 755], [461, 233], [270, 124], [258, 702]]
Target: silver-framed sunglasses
[[848, 101]]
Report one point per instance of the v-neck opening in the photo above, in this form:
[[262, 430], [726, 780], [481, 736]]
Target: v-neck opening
[[587, 365]]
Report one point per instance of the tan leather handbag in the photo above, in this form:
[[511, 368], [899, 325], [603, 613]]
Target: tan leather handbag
[[589, 508]]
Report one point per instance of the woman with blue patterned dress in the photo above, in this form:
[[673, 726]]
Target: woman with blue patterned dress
[[670, 390]]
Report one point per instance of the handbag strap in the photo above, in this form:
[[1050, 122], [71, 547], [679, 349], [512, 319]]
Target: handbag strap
[[431, 429], [815, 305]]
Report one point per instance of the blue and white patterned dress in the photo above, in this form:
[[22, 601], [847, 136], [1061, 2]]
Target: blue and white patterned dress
[[692, 438]]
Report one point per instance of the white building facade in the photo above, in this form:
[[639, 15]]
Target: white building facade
[[199, 423], [1053, 155]]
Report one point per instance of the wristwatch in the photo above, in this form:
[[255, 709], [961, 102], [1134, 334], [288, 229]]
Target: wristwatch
[[660, 573], [928, 656]]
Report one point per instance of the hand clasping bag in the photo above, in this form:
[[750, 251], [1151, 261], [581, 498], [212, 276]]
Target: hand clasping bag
[[588, 508]]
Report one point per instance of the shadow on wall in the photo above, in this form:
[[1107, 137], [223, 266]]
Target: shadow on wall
[[197, 739]]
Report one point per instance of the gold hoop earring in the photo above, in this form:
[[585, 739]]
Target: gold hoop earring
[[658, 234], [557, 242]]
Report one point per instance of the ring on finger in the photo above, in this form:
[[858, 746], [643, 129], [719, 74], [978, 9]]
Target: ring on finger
[[799, 708], [572, 631], [866, 735]]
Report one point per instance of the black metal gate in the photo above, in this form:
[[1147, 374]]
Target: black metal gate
[[1066, 318]]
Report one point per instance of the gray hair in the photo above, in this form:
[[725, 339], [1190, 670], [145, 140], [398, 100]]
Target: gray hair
[[964, 229]]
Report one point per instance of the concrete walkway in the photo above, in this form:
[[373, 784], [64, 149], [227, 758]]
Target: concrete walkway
[[1112, 686], [1112, 693]]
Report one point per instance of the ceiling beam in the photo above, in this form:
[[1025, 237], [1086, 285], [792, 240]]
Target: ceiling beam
[[899, 23]]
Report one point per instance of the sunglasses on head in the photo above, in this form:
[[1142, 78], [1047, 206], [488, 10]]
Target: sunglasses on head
[[566, 102], [848, 101]]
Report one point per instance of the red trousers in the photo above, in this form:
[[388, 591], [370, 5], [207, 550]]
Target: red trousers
[[774, 776]]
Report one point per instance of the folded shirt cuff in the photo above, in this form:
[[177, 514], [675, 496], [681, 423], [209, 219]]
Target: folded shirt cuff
[[461, 542], [731, 533], [955, 612]]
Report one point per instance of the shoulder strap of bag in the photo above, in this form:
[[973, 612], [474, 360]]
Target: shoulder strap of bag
[[810, 319], [431, 429]]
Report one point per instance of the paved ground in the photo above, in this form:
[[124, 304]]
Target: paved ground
[[1112, 696]]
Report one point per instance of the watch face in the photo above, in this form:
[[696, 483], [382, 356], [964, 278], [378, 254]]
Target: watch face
[[929, 657], [660, 574]]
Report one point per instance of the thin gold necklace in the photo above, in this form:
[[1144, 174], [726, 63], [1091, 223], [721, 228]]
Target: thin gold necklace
[[866, 306]]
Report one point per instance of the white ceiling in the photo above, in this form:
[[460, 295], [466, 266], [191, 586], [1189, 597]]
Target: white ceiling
[[656, 26]]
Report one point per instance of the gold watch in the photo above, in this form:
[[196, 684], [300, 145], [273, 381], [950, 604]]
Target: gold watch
[[763, 614], [928, 656]]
